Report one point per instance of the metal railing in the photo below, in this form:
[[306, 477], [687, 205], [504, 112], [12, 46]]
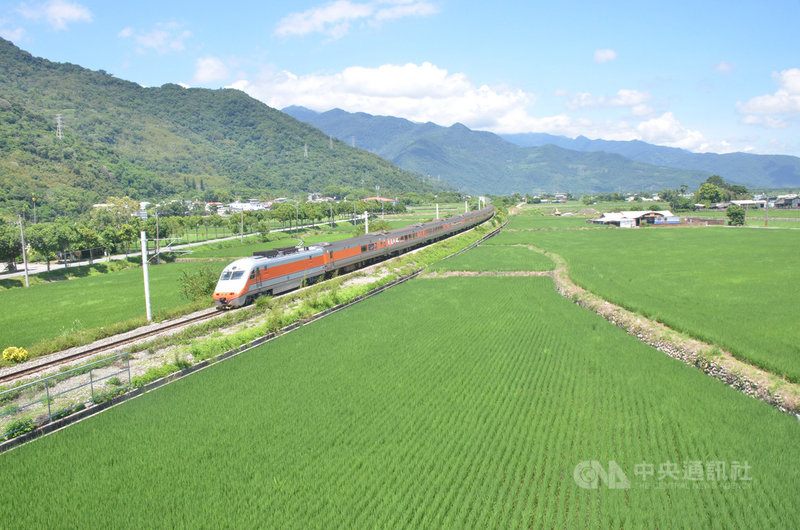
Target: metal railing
[[26, 407]]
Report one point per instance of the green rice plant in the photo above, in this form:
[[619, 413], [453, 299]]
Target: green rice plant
[[496, 258], [522, 222], [459, 414], [726, 286]]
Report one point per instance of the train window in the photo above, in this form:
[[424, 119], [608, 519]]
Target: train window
[[372, 246], [237, 275], [364, 248], [253, 274], [226, 275]]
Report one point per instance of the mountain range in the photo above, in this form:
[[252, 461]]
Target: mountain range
[[479, 161], [71, 137], [770, 171]]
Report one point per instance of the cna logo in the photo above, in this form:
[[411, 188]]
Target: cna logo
[[590, 474]]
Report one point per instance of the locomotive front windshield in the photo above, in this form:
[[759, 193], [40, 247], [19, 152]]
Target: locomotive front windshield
[[231, 275]]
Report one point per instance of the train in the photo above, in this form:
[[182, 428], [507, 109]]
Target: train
[[271, 272]]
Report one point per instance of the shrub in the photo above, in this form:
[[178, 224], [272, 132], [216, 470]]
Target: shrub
[[736, 215], [15, 355], [198, 284], [157, 372], [264, 302], [19, 427]]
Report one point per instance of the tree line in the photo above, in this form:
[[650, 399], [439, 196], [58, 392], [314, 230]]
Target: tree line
[[115, 229]]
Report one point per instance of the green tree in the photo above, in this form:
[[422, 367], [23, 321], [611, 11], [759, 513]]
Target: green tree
[[110, 238], [709, 193], [10, 247], [66, 236], [88, 240], [127, 235], [735, 215], [122, 208], [42, 238]]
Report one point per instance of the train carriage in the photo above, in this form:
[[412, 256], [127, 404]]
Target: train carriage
[[280, 270]]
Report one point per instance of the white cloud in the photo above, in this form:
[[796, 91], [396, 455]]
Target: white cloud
[[786, 100], [14, 35], [209, 69], [604, 56], [404, 9], [420, 93], [165, 37], [770, 122], [334, 19], [724, 67], [666, 130], [623, 98], [642, 110], [424, 92], [57, 13]]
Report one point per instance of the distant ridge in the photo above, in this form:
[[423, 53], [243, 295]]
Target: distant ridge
[[479, 161], [769, 171]]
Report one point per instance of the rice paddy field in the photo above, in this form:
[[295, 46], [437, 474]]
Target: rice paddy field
[[484, 406], [727, 286], [531, 222], [496, 258]]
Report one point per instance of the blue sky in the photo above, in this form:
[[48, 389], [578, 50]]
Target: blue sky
[[703, 75]]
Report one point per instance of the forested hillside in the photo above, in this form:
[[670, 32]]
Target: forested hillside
[[118, 138]]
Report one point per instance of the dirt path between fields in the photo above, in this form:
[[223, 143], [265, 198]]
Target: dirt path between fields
[[712, 360]]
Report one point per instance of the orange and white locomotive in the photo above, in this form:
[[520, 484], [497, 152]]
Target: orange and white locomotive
[[276, 271]]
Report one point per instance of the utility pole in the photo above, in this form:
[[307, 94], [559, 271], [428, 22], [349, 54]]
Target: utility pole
[[157, 232], [241, 228], [146, 278], [24, 254], [59, 134], [34, 210]]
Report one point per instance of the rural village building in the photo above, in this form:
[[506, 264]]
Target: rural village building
[[630, 219], [788, 201]]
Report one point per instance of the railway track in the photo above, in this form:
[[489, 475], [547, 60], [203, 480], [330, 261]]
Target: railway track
[[56, 359], [59, 358]]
